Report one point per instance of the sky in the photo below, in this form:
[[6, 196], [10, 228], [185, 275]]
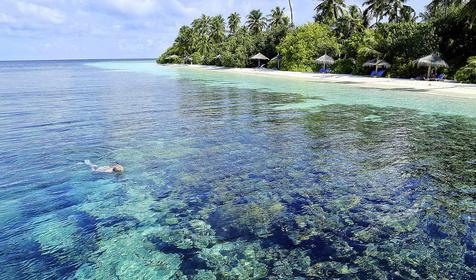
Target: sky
[[82, 29]]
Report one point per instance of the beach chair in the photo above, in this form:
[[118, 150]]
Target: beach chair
[[373, 73], [262, 66], [380, 73], [440, 77], [328, 71], [322, 70]]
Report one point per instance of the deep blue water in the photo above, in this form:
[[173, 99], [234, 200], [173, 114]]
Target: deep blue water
[[229, 177]]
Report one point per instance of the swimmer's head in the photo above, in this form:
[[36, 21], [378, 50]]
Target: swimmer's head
[[118, 168]]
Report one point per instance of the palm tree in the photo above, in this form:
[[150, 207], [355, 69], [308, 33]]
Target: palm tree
[[184, 40], [201, 32], [255, 21], [375, 9], [217, 29], [234, 21], [291, 10], [407, 14], [470, 10], [351, 22], [356, 19], [444, 4], [393, 10], [201, 25], [370, 45], [277, 17], [328, 11]]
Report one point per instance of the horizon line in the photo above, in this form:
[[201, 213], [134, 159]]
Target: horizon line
[[75, 59]]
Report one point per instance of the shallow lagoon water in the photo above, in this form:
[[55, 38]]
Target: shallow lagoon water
[[230, 176]]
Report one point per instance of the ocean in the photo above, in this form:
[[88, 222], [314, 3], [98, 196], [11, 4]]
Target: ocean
[[230, 176]]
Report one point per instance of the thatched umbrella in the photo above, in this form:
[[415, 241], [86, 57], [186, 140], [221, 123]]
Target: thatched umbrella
[[172, 57], [430, 61], [326, 60], [259, 57], [377, 63]]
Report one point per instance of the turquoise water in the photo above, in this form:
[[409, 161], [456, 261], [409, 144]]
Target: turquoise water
[[230, 176]]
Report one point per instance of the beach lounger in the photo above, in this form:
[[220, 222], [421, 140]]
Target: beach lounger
[[440, 77], [380, 73], [322, 70], [373, 74], [328, 71]]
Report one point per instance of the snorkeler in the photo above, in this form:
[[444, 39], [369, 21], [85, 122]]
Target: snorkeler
[[117, 168]]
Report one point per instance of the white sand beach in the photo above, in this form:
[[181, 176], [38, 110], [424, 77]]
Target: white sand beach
[[446, 88]]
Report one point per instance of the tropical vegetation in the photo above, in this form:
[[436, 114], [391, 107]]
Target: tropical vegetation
[[467, 74], [380, 29]]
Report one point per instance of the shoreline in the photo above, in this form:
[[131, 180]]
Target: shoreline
[[445, 88]]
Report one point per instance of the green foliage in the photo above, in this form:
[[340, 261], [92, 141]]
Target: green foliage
[[370, 45], [404, 67], [343, 66], [351, 45], [234, 20], [407, 39], [375, 9], [467, 74], [277, 18], [343, 32], [269, 40], [206, 38], [328, 11], [470, 10], [256, 22], [301, 47], [352, 22], [237, 49], [398, 43], [457, 37]]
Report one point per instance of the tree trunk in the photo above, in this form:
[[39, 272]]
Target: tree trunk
[[291, 10]]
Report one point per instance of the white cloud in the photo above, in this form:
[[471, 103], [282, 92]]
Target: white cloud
[[41, 13], [186, 9], [133, 7], [6, 19], [117, 28]]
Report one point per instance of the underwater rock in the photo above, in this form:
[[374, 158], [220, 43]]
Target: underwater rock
[[129, 256], [325, 270], [171, 221], [235, 260], [249, 218], [196, 234], [367, 235], [129, 200], [204, 275], [62, 239], [372, 118], [53, 234], [290, 264]]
